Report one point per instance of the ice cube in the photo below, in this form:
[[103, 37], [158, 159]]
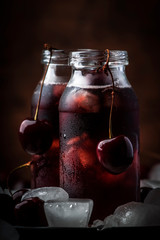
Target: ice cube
[[154, 173], [153, 179], [150, 183], [134, 214], [85, 100], [72, 213], [153, 197], [5, 191], [90, 102], [47, 193]]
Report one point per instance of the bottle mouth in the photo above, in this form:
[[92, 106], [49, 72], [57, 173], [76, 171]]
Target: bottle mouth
[[118, 57], [58, 56], [94, 57]]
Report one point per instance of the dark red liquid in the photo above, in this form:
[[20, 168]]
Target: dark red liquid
[[45, 167], [81, 128]]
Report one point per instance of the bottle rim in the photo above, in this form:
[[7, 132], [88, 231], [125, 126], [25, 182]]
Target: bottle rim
[[59, 56], [80, 56]]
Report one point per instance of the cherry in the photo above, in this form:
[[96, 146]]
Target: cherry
[[35, 136], [18, 195], [30, 212], [115, 154], [6, 208]]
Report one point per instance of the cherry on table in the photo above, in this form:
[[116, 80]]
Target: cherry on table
[[6, 208], [115, 154], [30, 212], [18, 195], [36, 136]]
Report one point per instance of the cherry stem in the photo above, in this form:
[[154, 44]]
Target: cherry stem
[[13, 171], [106, 64], [112, 94], [42, 83], [110, 116]]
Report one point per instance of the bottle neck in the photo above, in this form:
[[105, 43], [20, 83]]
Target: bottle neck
[[59, 70], [119, 76], [92, 58], [59, 57], [85, 65], [58, 74]]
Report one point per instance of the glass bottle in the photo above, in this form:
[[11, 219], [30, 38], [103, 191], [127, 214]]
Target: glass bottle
[[84, 111], [45, 167]]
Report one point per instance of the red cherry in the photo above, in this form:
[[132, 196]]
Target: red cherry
[[30, 212], [6, 208], [36, 136], [115, 154], [18, 195]]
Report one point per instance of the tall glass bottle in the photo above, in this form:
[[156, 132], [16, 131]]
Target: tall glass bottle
[[84, 112], [45, 167]]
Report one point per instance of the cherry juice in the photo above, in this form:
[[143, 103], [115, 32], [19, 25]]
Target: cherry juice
[[84, 122], [45, 167]]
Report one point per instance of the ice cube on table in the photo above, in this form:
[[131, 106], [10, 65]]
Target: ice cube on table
[[150, 183], [47, 193], [154, 173], [72, 213], [134, 214], [153, 197]]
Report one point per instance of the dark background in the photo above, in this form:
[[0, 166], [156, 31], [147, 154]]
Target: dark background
[[125, 25]]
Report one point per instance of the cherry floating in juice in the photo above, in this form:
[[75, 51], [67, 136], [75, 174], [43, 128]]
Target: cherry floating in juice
[[84, 113]]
